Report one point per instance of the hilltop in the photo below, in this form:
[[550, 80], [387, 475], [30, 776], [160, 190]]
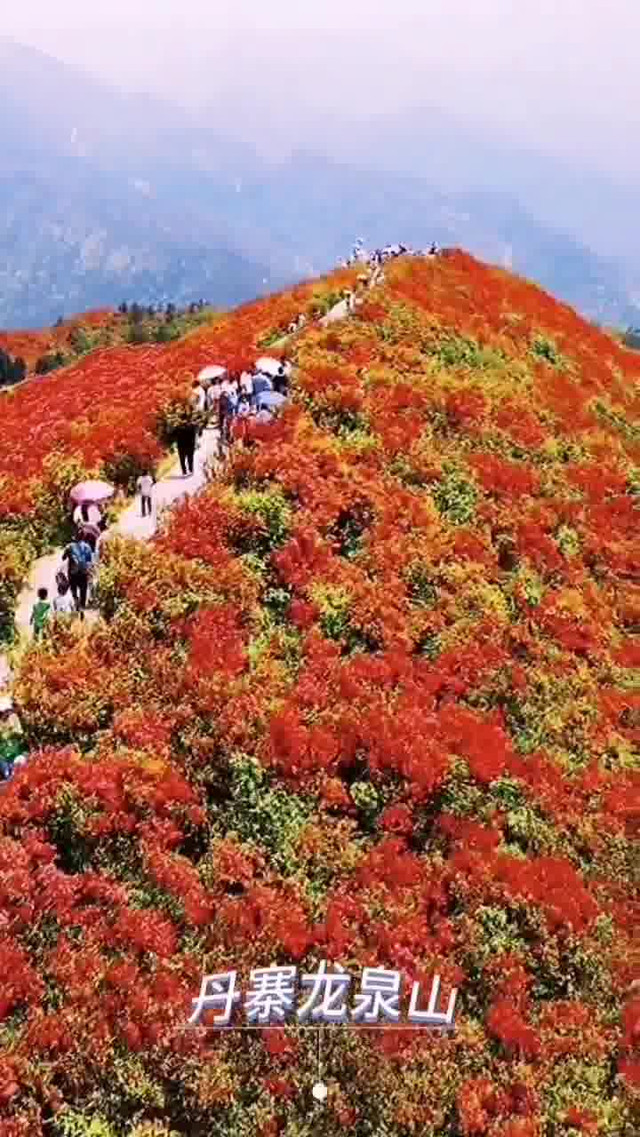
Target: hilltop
[[372, 697]]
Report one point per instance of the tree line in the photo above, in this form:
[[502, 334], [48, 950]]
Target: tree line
[[151, 323], [12, 370]]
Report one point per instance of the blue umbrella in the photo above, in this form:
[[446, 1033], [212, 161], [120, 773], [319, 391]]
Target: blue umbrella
[[270, 399], [262, 383]]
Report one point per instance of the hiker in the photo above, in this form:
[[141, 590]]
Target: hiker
[[246, 385], [198, 396], [213, 394], [87, 513], [261, 383], [40, 613], [199, 406], [241, 422], [185, 437], [281, 381], [90, 534], [79, 557], [12, 744], [226, 410], [244, 405], [63, 603], [145, 486]]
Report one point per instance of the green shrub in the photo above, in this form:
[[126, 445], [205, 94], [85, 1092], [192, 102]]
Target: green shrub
[[455, 498]]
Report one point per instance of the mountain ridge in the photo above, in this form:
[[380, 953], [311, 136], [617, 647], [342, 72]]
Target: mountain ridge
[[107, 196]]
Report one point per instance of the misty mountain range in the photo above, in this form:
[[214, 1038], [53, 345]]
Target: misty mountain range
[[106, 196]]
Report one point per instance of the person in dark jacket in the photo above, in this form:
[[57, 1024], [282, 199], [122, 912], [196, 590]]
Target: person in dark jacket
[[79, 557], [186, 437], [281, 382]]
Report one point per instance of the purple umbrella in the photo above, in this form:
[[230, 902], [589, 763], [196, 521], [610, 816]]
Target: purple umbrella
[[91, 493]]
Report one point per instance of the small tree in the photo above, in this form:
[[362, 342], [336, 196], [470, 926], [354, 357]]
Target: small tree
[[163, 334], [19, 370], [137, 334], [5, 368]]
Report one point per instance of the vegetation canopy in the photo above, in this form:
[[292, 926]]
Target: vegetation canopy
[[372, 697]]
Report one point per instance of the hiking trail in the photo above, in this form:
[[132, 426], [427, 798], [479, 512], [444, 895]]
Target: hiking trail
[[169, 490]]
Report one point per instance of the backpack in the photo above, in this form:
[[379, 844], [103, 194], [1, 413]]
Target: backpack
[[81, 556]]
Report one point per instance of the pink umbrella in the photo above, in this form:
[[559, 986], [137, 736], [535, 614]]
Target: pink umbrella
[[91, 492]]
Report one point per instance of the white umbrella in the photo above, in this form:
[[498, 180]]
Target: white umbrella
[[268, 365], [213, 372]]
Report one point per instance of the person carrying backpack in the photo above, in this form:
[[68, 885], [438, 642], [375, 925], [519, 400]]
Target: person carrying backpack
[[80, 559]]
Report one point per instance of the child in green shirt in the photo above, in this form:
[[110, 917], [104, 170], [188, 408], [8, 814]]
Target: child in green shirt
[[40, 613]]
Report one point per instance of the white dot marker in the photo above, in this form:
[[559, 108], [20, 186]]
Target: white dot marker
[[319, 1091]]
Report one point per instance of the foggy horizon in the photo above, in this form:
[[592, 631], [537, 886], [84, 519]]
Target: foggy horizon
[[564, 84]]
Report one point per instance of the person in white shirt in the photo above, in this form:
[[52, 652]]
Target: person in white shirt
[[86, 514], [63, 603], [246, 384], [145, 486]]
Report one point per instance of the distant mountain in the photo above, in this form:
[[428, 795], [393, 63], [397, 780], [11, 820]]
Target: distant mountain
[[452, 155], [80, 222], [315, 206], [106, 196]]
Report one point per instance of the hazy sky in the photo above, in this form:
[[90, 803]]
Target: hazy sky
[[563, 74]]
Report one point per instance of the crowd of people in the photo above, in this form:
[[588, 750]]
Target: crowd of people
[[376, 258], [231, 402]]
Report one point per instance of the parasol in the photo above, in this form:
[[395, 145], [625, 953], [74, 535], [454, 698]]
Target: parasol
[[91, 492], [212, 373], [268, 365], [270, 399]]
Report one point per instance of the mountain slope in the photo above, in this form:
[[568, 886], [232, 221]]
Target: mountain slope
[[370, 699]]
